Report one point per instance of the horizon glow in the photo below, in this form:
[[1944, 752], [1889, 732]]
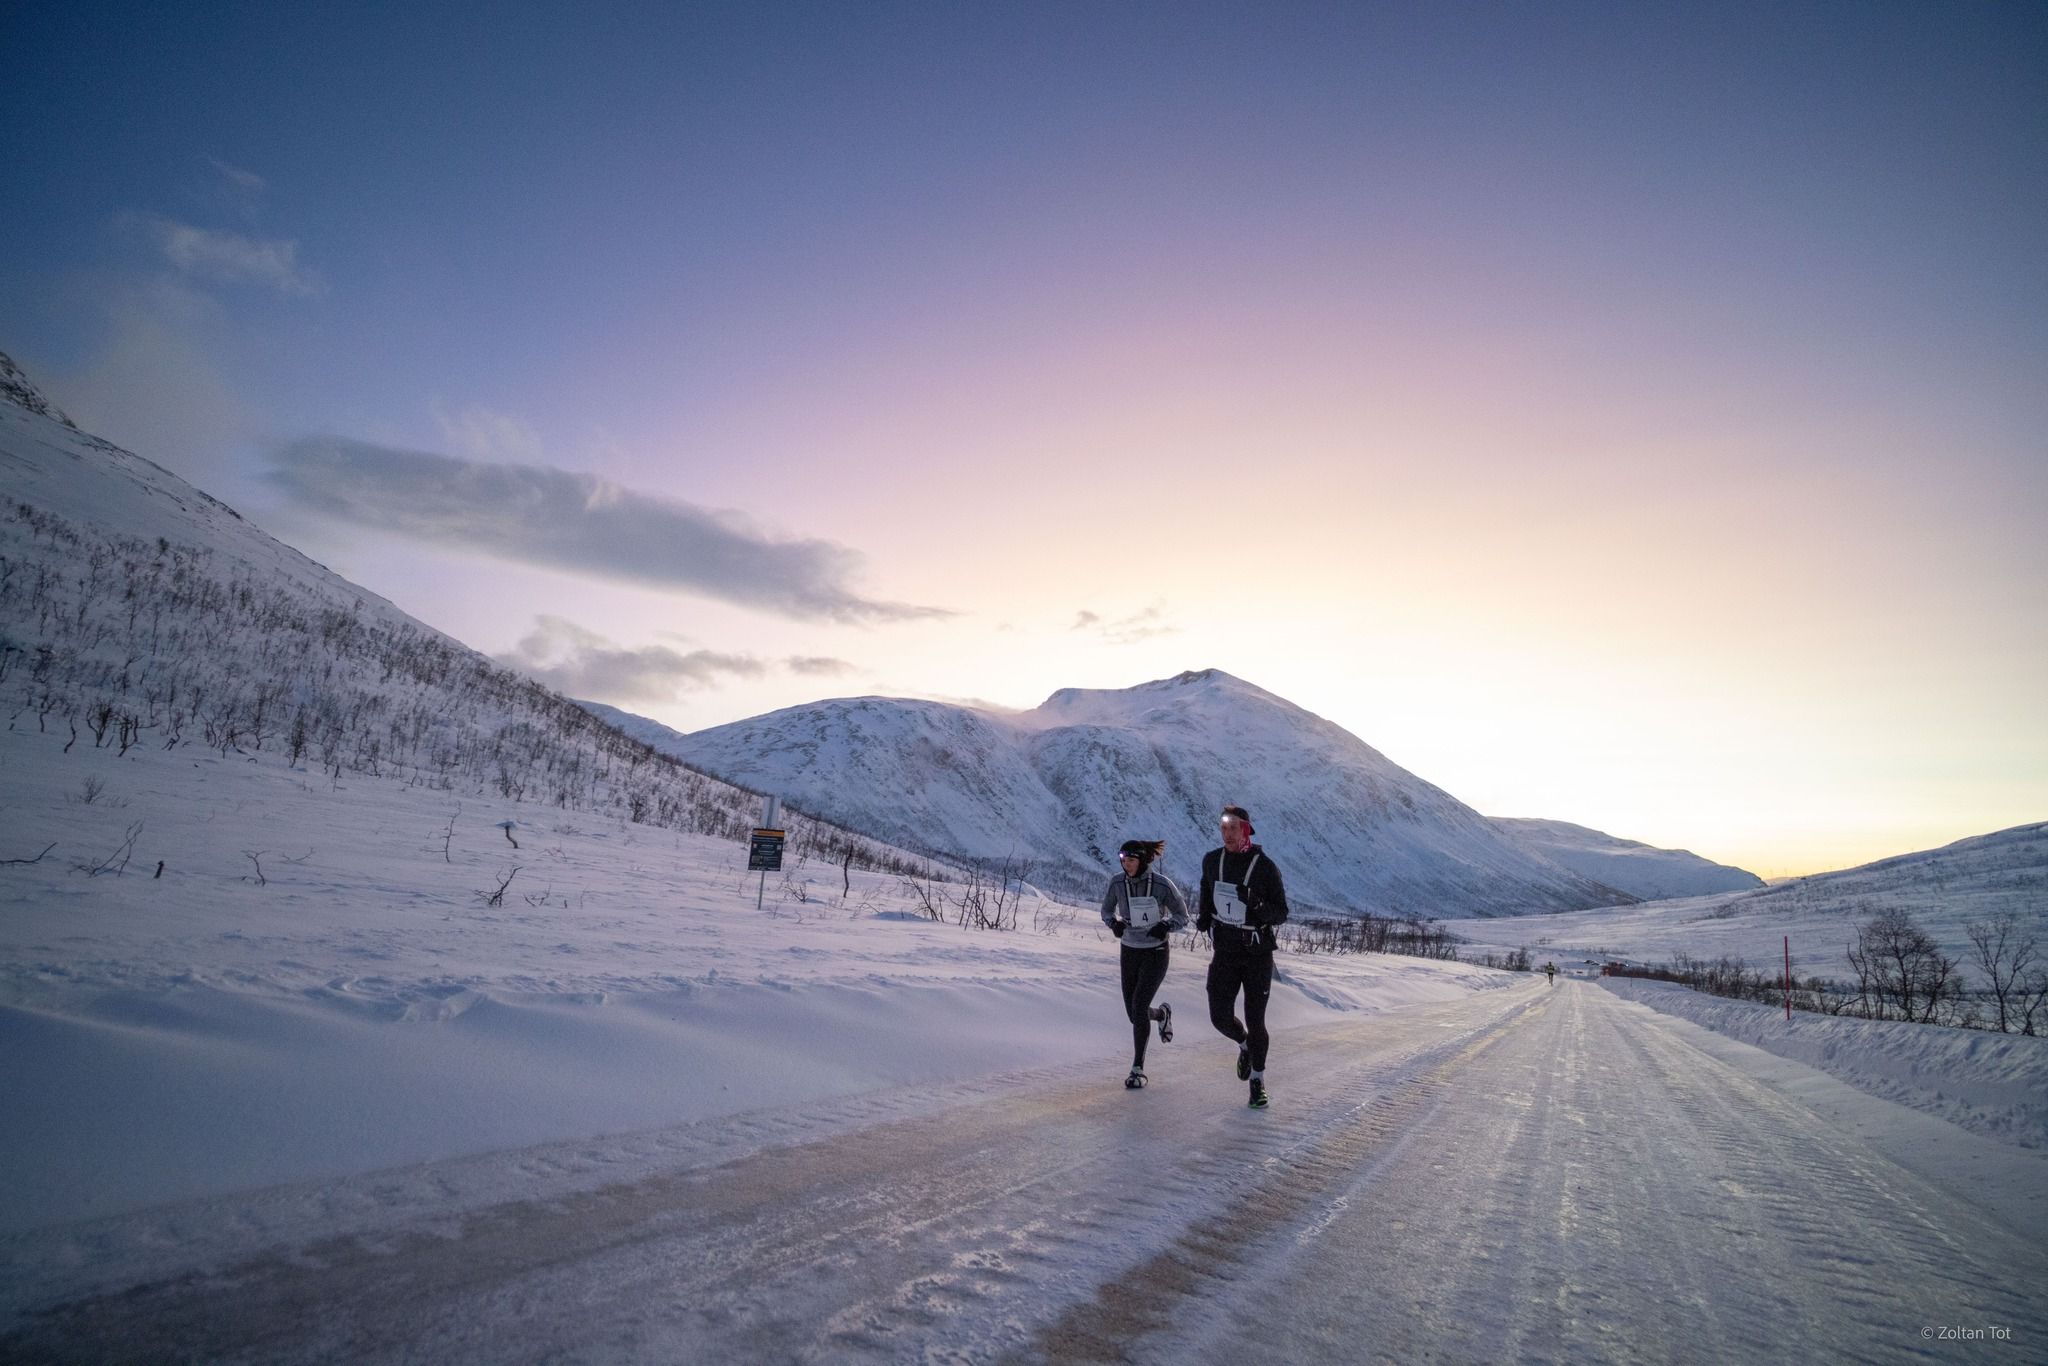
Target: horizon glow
[[1618, 417]]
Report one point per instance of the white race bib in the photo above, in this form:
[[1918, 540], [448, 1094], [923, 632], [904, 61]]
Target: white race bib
[[1144, 912], [1228, 895]]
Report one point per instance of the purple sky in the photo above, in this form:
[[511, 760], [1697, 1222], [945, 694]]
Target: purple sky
[[1629, 414]]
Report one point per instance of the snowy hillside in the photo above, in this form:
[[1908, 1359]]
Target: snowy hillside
[[292, 886], [138, 611], [17, 388], [1066, 783], [1641, 870], [1944, 890], [330, 978]]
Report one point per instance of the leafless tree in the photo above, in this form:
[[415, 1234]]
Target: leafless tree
[[1898, 965], [2005, 955]]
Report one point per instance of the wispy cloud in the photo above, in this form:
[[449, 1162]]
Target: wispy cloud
[[539, 515], [247, 183], [228, 258], [578, 662], [1125, 630], [822, 666], [487, 435]]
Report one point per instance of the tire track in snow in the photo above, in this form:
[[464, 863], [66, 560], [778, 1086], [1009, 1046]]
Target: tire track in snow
[[1224, 1251], [1597, 1189]]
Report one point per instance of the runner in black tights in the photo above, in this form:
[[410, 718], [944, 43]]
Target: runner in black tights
[[1242, 900], [1141, 907]]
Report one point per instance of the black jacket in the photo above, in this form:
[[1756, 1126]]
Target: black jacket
[[1265, 899]]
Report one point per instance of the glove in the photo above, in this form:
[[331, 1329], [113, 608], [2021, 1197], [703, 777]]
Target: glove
[[1117, 928], [1204, 923], [1160, 931]]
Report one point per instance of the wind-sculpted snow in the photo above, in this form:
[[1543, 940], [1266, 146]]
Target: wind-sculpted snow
[[1641, 870], [1067, 783]]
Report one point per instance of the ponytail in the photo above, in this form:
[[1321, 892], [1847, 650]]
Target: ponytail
[[1144, 851]]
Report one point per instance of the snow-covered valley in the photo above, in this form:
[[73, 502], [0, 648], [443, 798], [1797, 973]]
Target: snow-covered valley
[[1944, 890], [362, 1001]]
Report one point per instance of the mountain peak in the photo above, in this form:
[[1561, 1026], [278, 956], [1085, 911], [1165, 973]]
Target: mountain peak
[[18, 389], [1210, 682]]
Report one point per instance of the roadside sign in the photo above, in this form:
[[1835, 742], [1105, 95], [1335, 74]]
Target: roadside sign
[[764, 852]]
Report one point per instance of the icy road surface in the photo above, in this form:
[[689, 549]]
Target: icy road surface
[[1544, 1173]]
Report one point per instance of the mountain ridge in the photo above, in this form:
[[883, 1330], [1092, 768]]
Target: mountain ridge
[[1066, 782], [1642, 870]]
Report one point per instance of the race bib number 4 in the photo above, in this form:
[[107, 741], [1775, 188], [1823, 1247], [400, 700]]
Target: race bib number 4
[[1144, 912]]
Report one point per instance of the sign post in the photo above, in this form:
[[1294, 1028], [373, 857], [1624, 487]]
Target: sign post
[[1788, 979], [764, 847]]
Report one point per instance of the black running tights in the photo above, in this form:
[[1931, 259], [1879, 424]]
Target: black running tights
[[1251, 973], [1144, 970]]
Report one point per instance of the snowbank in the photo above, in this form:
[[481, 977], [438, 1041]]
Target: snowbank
[[318, 985], [1992, 1084]]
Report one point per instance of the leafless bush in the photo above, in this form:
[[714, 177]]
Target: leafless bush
[[990, 900], [924, 897], [1050, 917], [448, 834], [116, 862], [497, 898]]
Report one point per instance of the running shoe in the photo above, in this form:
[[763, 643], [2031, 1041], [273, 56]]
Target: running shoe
[[1258, 1100], [1135, 1081], [1244, 1062], [1165, 1023]]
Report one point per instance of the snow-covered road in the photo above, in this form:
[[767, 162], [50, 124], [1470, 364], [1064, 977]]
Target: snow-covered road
[[1543, 1173]]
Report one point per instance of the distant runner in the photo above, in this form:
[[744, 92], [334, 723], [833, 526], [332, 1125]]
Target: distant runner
[[1550, 971], [1242, 900], [1142, 908]]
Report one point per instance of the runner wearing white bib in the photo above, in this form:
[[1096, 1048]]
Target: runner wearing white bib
[[1242, 899], [1141, 907]]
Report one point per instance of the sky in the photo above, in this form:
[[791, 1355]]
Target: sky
[[1625, 414]]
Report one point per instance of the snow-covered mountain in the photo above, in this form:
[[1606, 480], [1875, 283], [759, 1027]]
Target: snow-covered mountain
[[1066, 783], [1641, 870], [137, 610], [17, 388], [645, 729]]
